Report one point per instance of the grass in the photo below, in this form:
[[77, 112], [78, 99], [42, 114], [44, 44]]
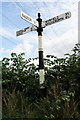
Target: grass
[[16, 105]]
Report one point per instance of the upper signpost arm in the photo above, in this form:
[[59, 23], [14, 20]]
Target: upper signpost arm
[[57, 19], [28, 18]]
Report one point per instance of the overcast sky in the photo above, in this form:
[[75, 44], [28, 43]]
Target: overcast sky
[[58, 38]]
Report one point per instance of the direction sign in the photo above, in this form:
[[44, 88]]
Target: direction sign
[[38, 25], [28, 18], [56, 19], [26, 30]]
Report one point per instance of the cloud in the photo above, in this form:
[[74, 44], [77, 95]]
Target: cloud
[[25, 43], [40, 0], [59, 43], [3, 50], [24, 47], [7, 33]]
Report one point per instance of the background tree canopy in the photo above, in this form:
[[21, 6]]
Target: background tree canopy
[[21, 89]]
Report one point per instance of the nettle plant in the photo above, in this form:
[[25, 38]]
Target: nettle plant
[[20, 79]]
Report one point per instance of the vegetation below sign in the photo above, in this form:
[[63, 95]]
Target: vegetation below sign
[[21, 90]]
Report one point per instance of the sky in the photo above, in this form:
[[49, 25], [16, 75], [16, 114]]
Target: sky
[[58, 38]]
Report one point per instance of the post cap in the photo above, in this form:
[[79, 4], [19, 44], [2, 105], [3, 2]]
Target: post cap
[[39, 15]]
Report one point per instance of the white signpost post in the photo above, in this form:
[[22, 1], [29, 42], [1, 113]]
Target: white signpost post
[[38, 26]]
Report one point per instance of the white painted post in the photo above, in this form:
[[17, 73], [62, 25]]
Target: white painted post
[[41, 64], [41, 60]]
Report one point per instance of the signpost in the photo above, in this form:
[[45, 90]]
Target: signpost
[[38, 26]]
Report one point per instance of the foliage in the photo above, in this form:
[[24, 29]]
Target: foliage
[[21, 89]]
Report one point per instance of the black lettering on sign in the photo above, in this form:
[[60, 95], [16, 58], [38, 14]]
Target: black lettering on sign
[[19, 32], [25, 29], [54, 19], [60, 19], [67, 15], [26, 17]]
